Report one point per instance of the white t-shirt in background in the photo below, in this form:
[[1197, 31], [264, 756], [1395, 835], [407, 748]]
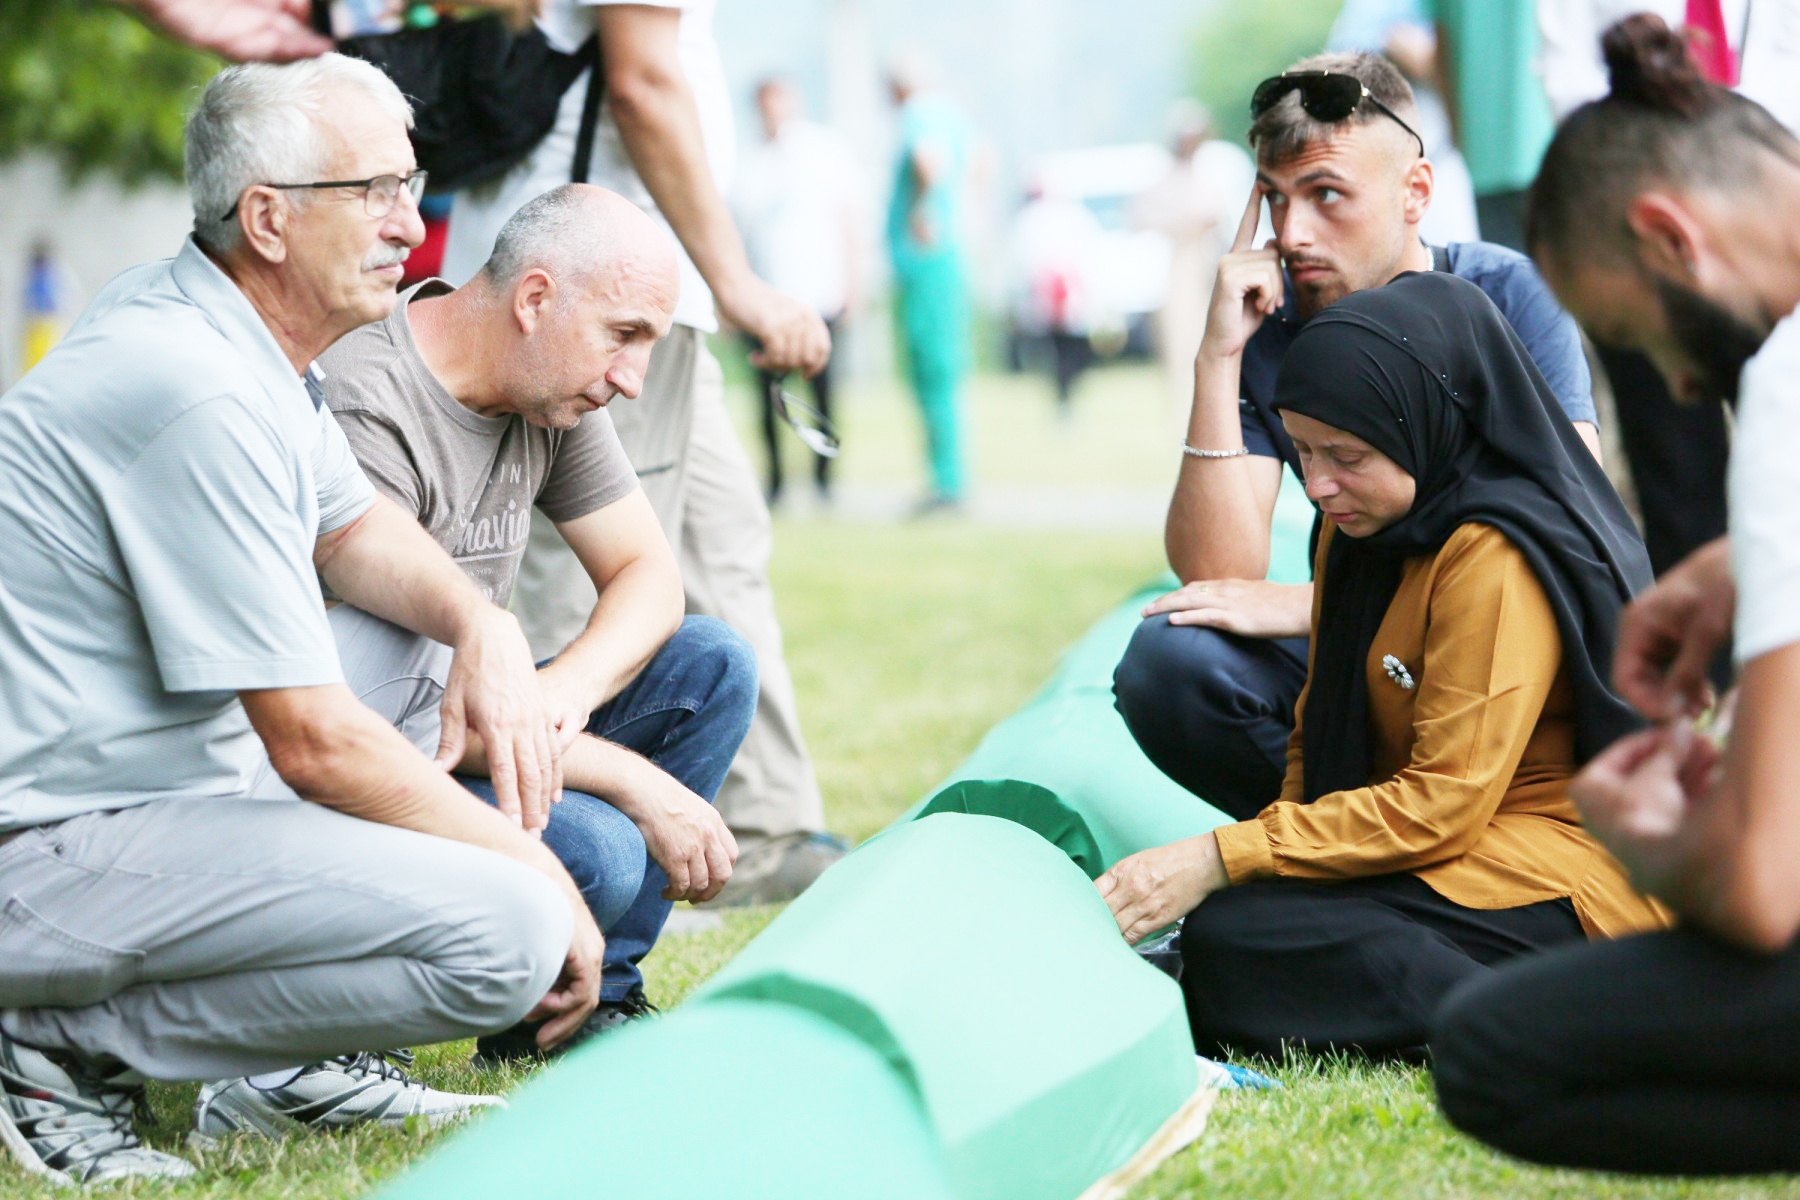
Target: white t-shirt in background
[[1765, 513], [479, 213], [795, 200]]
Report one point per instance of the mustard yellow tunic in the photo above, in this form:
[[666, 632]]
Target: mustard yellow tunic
[[1470, 784]]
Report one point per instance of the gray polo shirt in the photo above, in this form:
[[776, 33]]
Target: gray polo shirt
[[164, 474]]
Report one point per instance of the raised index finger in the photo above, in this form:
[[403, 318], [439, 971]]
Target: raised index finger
[[1246, 232]]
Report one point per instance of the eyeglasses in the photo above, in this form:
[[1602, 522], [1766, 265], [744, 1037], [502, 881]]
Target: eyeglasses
[[808, 423], [380, 194], [1325, 96]]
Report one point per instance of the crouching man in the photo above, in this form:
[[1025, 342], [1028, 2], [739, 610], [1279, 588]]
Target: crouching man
[[467, 408], [171, 492]]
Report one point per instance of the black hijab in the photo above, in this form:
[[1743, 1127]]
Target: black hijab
[[1430, 373]]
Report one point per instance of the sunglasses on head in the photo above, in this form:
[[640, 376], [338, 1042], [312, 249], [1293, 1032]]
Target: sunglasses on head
[[1324, 96]]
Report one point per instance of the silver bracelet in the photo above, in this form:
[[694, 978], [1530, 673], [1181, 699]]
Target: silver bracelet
[[1193, 453]]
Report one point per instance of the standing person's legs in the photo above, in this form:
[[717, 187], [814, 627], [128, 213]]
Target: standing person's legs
[[554, 596], [194, 939], [1667, 1052], [1212, 710], [821, 390], [771, 430], [933, 322], [1362, 964], [1677, 454], [770, 791]]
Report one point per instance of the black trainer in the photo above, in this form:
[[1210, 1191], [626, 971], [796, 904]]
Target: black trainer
[[519, 1044]]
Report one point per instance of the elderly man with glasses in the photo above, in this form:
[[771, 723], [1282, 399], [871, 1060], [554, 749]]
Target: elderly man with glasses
[[1209, 682], [172, 491]]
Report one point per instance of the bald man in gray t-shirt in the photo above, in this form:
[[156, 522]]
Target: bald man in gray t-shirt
[[467, 407]]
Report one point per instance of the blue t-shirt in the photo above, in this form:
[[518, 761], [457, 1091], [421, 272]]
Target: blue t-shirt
[[1510, 281]]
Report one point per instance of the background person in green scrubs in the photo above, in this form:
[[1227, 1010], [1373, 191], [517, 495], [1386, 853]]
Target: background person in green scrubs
[[925, 238]]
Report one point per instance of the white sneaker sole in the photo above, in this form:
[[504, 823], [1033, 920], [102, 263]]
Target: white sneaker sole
[[20, 1148]]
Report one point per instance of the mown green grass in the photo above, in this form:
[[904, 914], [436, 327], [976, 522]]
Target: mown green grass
[[907, 642]]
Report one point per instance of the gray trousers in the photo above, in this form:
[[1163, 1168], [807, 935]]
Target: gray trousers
[[703, 489], [203, 938]]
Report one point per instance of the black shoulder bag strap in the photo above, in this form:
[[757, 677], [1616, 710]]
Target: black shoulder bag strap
[[590, 112]]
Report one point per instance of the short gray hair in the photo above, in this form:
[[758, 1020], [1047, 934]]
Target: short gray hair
[[259, 123], [557, 231], [1285, 131]]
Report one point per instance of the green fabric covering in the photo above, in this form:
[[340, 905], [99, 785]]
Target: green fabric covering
[[1066, 766], [734, 1099], [986, 969]]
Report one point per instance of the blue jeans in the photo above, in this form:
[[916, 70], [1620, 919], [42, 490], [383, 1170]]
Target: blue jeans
[[686, 711]]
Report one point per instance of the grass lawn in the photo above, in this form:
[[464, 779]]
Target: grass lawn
[[907, 642]]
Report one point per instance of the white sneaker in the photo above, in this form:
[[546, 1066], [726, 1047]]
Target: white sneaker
[[355, 1089], [63, 1118]]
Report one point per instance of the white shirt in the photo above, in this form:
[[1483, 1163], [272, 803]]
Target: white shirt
[[1768, 48], [479, 213], [1765, 518], [795, 200]]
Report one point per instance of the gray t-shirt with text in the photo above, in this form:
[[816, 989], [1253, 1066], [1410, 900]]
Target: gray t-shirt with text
[[471, 480]]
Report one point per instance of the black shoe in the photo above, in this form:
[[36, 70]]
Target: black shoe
[[519, 1044]]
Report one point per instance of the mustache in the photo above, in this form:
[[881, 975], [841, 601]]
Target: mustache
[[385, 255]]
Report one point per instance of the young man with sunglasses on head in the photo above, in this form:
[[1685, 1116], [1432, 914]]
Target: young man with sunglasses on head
[[1209, 682]]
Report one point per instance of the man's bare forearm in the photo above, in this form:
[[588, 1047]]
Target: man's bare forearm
[[659, 125], [1216, 529], [1741, 882], [590, 764], [387, 565], [639, 609]]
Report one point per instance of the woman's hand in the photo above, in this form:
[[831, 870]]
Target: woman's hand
[[1158, 887]]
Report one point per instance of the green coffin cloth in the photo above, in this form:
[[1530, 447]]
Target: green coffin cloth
[[1066, 766], [986, 969], [730, 1101]]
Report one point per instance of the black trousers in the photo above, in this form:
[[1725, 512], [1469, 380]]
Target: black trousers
[[771, 423], [1361, 965], [1666, 1052], [1677, 453], [1212, 710]]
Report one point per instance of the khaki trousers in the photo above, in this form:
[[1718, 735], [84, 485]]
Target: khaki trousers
[[700, 483]]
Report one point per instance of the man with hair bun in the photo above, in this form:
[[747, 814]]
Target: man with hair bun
[[1665, 217], [1209, 682], [172, 491]]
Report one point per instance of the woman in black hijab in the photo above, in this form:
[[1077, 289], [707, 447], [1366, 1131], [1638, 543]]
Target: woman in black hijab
[[1469, 582]]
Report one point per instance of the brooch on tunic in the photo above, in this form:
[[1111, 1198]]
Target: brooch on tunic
[[1396, 671]]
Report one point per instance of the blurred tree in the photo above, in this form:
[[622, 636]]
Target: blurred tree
[[95, 88], [1237, 46]]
